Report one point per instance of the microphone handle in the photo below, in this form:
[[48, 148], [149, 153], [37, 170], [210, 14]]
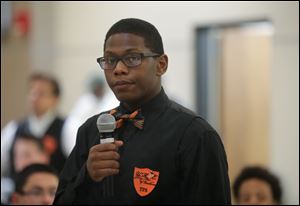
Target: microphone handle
[[107, 182], [107, 138]]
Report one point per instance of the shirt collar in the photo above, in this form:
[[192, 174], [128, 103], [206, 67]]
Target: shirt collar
[[155, 105], [39, 125]]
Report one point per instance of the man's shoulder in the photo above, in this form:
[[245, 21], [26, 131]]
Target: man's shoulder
[[91, 120], [176, 107], [193, 119]]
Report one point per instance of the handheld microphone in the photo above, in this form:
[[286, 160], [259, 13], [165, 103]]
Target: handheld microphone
[[106, 124]]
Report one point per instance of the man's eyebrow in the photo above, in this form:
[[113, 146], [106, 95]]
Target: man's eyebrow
[[131, 49], [35, 187], [126, 51]]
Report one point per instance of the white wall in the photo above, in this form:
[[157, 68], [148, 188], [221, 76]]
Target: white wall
[[78, 34]]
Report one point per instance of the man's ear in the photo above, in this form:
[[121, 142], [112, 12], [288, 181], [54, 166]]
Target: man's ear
[[162, 65]]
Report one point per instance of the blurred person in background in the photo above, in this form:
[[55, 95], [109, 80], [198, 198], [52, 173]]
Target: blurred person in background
[[96, 99], [42, 121], [36, 184], [257, 186], [25, 151]]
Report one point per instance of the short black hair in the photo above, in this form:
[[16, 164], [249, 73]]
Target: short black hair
[[23, 176], [45, 77], [141, 28], [32, 138], [262, 174]]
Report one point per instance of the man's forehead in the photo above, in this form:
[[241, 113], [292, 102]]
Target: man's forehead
[[23, 141], [34, 180], [40, 82], [34, 177], [125, 41]]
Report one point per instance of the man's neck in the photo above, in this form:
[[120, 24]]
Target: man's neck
[[131, 106]]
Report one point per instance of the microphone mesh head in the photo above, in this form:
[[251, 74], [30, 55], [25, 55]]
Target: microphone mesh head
[[106, 123]]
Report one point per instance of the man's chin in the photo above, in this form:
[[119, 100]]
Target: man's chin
[[126, 98]]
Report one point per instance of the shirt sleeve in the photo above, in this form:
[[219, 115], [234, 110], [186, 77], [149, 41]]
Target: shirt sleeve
[[203, 166], [74, 181]]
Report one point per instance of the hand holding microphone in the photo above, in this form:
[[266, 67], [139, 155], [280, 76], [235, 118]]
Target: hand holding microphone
[[103, 158]]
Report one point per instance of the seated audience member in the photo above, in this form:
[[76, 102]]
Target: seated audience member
[[35, 185], [27, 150], [257, 186]]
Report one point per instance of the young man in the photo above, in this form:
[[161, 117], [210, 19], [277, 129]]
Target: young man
[[165, 155], [35, 185], [257, 186]]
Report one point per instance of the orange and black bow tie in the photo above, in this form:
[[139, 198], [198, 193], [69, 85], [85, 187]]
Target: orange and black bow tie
[[135, 117]]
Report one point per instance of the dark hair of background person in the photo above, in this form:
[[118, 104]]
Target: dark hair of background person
[[39, 76], [141, 28], [262, 174], [31, 137]]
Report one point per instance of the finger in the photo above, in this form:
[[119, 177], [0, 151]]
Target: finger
[[103, 147], [109, 155], [108, 172], [106, 164], [98, 175]]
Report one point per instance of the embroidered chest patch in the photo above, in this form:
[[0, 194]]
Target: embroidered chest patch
[[144, 180]]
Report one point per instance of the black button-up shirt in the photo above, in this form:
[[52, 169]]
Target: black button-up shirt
[[177, 158]]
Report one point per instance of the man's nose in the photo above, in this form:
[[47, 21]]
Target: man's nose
[[120, 68], [48, 199], [34, 97], [254, 201]]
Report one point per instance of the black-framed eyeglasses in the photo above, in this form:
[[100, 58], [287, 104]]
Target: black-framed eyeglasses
[[130, 60]]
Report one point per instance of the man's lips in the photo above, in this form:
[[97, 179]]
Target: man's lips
[[122, 83]]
